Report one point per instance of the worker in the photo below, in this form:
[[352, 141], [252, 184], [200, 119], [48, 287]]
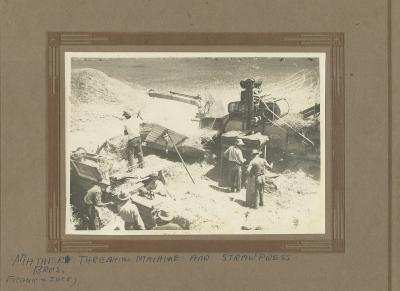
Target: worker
[[134, 147], [129, 212], [156, 185], [235, 161], [93, 199], [256, 170], [163, 220]]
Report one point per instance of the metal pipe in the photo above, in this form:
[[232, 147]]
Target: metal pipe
[[186, 95], [183, 162], [265, 151]]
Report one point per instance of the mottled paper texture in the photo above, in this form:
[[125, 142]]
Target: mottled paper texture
[[365, 265]]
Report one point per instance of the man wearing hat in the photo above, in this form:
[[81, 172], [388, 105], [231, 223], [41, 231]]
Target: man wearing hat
[[134, 147], [129, 213], [93, 199], [256, 169], [155, 185], [163, 220], [235, 159]]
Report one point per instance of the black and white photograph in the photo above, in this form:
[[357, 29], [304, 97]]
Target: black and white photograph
[[195, 143]]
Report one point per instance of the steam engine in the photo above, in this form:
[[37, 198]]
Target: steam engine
[[256, 108]]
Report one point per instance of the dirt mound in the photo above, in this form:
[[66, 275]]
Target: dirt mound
[[93, 86], [95, 99]]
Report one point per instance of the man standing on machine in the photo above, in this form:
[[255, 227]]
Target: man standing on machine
[[134, 147]]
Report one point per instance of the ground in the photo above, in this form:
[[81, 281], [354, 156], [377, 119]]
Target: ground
[[295, 207], [292, 208]]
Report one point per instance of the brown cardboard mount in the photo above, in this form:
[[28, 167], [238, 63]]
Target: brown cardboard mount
[[360, 248]]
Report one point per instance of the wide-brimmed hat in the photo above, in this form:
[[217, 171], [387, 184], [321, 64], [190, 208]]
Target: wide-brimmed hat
[[153, 175], [165, 215], [104, 182], [126, 114], [123, 196], [239, 142], [255, 152]]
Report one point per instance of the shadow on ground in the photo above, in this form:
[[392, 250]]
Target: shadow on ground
[[213, 173], [219, 189], [240, 202]]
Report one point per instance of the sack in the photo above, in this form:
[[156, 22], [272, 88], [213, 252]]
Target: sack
[[260, 180]]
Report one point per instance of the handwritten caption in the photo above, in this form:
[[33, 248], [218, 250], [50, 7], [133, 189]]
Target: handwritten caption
[[30, 270]]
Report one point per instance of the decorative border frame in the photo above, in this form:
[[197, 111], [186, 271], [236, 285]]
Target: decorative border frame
[[332, 41]]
